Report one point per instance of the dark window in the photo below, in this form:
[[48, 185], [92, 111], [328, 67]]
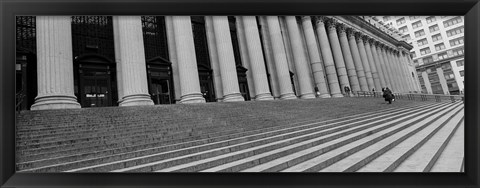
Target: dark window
[[155, 37]]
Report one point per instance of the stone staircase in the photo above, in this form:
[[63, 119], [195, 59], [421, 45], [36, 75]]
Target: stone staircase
[[317, 135]]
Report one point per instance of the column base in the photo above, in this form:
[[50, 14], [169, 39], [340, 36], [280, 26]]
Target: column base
[[287, 96], [234, 97], [192, 98], [136, 100], [325, 95], [308, 96], [55, 102], [338, 95], [264, 97]]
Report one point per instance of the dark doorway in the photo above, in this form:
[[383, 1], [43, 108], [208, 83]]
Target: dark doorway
[[94, 78], [26, 62], [242, 82], [160, 81], [206, 83]]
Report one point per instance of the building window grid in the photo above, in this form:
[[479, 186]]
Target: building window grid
[[431, 19], [458, 51], [436, 37], [462, 73], [456, 42], [401, 21], [422, 42], [428, 60], [455, 31], [433, 28], [403, 29], [452, 21], [425, 50], [460, 63], [442, 56], [417, 24], [414, 17], [419, 33], [440, 46]]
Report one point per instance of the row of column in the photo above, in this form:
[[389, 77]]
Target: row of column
[[355, 60], [337, 57]]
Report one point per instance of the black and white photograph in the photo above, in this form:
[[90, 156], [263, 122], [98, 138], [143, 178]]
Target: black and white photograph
[[239, 93]]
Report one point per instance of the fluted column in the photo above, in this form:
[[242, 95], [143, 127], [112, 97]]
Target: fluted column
[[347, 56], [327, 58], [131, 60], [300, 59], [373, 67], [314, 55], [173, 56], [255, 58], [395, 86], [214, 62], [378, 64], [187, 62], [416, 81], [280, 58], [242, 44], [337, 54], [226, 59], [366, 64], [54, 64], [357, 60], [402, 72], [408, 72], [381, 51], [268, 54]]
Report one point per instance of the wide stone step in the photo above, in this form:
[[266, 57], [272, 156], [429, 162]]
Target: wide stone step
[[110, 152], [451, 159], [208, 154], [316, 159], [355, 161]]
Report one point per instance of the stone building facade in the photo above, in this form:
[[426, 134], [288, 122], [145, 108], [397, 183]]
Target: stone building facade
[[95, 61]]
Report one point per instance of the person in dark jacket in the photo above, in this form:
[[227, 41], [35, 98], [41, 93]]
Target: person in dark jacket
[[388, 95]]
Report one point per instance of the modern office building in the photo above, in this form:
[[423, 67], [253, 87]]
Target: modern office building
[[96, 61], [438, 50]]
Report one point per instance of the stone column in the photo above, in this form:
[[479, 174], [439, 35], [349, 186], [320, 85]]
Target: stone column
[[416, 81], [214, 62], [316, 61], [395, 86], [255, 58], [173, 56], [327, 57], [381, 51], [402, 73], [427, 82], [268, 52], [242, 44], [300, 59], [378, 64], [363, 56], [226, 59], [131, 60], [337, 54], [54, 64], [362, 80], [347, 55], [408, 72], [280, 58], [371, 60], [187, 62]]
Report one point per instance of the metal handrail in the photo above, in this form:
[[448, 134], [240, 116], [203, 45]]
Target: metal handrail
[[413, 96]]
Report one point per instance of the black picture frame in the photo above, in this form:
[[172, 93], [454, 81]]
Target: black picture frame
[[10, 8]]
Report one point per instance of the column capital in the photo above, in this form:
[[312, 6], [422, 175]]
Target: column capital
[[350, 32], [371, 41], [358, 36], [331, 24], [305, 18], [320, 20], [365, 39], [341, 28]]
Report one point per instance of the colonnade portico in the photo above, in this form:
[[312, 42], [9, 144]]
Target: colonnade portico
[[328, 54]]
